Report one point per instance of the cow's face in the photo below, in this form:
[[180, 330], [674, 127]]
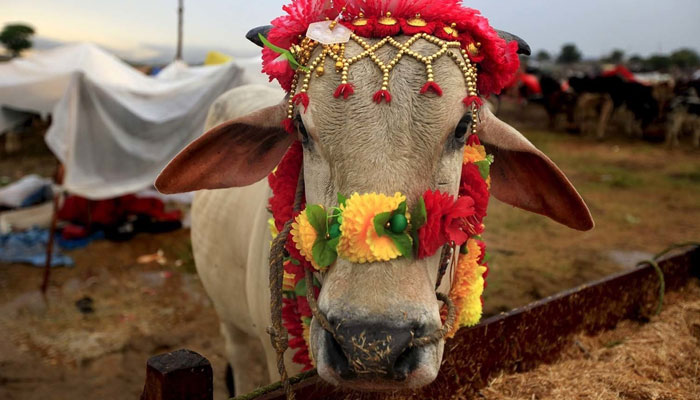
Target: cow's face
[[410, 145]]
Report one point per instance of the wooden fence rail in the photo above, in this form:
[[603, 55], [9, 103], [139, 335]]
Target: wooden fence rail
[[515, 341]]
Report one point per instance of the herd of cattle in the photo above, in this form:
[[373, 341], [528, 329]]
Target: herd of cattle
[[665, 110]]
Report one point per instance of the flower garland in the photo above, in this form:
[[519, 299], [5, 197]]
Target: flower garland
[[376, 227]]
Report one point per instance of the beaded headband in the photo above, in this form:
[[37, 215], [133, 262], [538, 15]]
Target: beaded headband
[[336, 51], [487, 61]]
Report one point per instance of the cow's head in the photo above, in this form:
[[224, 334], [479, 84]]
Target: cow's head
[[355, 145]]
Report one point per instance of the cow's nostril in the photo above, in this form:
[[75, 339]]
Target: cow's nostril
[[405, 363], [336, 357]]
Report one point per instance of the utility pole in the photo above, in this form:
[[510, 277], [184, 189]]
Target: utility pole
[[178, 54]]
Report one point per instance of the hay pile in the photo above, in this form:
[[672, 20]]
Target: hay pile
[[657, 360]]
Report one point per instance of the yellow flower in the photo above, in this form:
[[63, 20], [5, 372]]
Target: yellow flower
[[467, 287], [273, 228], [359, 241], [473, 154], [305, 334], [304, 236], [288, 281]]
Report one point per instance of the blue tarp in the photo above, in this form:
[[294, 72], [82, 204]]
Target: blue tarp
[[30, 247]]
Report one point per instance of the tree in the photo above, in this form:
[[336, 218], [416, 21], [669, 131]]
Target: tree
[[685, 58], [543, 56], [617, 56], [569, 54], [16, 38], [659, 62]]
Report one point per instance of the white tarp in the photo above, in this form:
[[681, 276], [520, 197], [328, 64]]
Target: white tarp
[[114, 128]]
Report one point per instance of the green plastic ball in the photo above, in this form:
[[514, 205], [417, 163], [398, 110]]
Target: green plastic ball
[[398, 223], [334, 231]]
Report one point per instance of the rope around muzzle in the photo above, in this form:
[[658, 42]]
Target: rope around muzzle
[[278, 334]]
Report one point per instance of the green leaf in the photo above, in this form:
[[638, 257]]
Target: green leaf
[[324, 254], [271, 46], [284, 52], [401, 209], [341, 199], [317, 218], [484, 168], [300, 288], [380, 221], [418, 215], [416, 240], [403, 243], [333, 243]]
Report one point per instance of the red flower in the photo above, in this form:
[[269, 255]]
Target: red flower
[[456, 220], [431, 235], [283, 183], [474, 186], [446, 220]]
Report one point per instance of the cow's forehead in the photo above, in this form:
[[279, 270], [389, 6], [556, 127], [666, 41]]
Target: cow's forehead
[[410, 116]]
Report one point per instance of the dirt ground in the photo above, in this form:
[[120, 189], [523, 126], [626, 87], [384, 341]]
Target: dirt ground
[[643, 197]]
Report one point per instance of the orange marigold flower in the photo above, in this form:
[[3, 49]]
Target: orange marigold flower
[[304, 236], [473, 154], [359, 241], [467, 287]]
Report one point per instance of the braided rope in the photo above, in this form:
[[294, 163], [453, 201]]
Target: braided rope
[[278, 334]]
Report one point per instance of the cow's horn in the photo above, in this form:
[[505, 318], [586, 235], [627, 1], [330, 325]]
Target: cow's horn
[[252, 34], [523, 47]]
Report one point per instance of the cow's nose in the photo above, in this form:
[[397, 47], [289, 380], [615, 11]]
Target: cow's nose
[[375, 351]]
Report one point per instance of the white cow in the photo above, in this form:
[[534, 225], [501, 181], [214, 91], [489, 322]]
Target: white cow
[[349, 146]]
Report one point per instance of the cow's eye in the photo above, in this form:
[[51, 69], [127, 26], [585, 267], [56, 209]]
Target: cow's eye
[[463, 127], [302, 130]]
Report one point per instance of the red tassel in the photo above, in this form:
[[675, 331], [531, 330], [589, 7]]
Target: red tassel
[[288, 125], [473, 140], [345, 90], [386, 30], [364, 30], [382, 95], [476, 100], [410, 30], [431, 86], [301, 98]]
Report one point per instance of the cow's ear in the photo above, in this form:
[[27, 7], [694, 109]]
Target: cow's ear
[[236, 153], [524, 177]]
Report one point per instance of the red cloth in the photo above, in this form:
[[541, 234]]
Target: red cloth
[[621, 71], [85, 212], [531, 83]]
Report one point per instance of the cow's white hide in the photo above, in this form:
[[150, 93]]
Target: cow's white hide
[[230, 241]]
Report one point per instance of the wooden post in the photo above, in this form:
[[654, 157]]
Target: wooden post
[[178, 54], [180, 375], [58, 178]]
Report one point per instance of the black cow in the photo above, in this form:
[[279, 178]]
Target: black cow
[[635, 97]]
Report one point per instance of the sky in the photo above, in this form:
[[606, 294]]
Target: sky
[[145, 30]]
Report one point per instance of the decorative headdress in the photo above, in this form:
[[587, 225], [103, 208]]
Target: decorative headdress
[[376, 227]]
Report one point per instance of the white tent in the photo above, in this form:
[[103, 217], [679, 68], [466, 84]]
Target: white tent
[[113, 128]]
